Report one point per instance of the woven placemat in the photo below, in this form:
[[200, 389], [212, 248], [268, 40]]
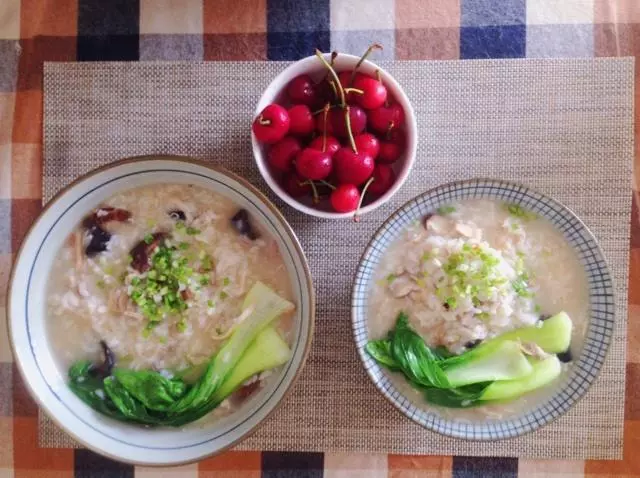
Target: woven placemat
[[564, 127]]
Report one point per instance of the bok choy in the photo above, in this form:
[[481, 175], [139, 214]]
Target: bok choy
[[150, 398], [498, 369]]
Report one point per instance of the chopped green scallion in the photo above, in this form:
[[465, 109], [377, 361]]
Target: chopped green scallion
[[444, 210]]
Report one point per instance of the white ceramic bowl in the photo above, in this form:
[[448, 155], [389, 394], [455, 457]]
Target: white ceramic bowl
[[588, 360], [275, 93], [27, 315]]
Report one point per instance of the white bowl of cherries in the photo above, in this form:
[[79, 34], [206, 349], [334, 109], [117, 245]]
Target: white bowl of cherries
[[334, 135]]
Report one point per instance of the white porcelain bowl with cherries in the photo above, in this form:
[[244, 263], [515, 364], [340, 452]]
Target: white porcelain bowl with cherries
[[348, 184]]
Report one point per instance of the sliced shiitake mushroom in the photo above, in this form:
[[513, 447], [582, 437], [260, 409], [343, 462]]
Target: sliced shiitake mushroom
[[241, 223], [104, 215], [97, 234], [98, 240], [177, 215], [104, 369], [142, 251], [565, 356]]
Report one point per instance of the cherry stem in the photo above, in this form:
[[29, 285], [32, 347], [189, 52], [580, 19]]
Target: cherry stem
[[334, 75], [354, 90], [264, 122], [321, 110], [356, 216], [347, 120], [333, 87], [316, 199], [324, 133], [329, 185], [375, 46]]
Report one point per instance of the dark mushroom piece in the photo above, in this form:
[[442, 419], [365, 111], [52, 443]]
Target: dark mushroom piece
[[98, 236], [98, 239], [566, 356], [104, 215], [472, 344], [142, 251], [240, 222], [425, 219], [177, 215], [104, 369]]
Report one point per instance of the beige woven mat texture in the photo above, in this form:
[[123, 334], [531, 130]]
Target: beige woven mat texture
[[564, 127]]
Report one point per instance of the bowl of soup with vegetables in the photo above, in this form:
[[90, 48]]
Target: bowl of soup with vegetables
[[479, 306], [160, 309]]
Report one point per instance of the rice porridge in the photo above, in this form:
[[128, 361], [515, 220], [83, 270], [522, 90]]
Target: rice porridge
[[157, 278], [474, 271]]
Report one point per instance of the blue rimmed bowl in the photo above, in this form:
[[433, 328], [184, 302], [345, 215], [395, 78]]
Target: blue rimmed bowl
[[27, 315], [585, 368]]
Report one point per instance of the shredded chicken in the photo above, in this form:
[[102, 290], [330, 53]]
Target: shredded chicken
[[437, 224], [468, 230], [77, 239], [534, 350], [133, 315], [402, 286], [119, 301]]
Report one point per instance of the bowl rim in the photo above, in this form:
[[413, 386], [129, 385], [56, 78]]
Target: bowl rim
[[412, 144], [288, 231], [537, 425]]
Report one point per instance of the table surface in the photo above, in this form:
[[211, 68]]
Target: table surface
[[35, 31]]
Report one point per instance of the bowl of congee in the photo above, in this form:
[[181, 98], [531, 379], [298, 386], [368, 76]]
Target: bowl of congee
[[483, 309], [160, 309]]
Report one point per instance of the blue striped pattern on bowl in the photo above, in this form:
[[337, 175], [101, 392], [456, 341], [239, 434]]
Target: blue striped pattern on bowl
[[584, 369]]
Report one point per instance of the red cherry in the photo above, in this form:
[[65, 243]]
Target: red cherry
[[380, 118], [383, 179], [357, 117], [296, 186], [374, 92], [369, 143], [272, 124], [324, 93], [301, 120], [301, 90], [333, 144], [320, 124], [313, 164], [345, 198], [389, 152], [282, 153], [353, 168]]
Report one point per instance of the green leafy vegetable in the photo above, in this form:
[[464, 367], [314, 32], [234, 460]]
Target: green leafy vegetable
[[553, 335], [380, 350], [414, 358], [505, 361], [153, 390], [267, 351], [126, 404], [543, 373], [495, 370], [462, 397]]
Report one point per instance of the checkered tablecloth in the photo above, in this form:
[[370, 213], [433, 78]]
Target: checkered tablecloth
[[34, 31]]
